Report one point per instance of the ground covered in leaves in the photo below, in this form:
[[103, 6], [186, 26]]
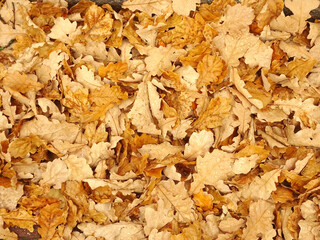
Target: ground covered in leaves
[[166, 120]]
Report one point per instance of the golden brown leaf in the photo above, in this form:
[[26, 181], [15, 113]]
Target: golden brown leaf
[[250, 150], [20, 147], [215, 10], [102, 194], [130, 33], [203, 200], [218, 109], [298, 68], [188, 31], [113, 71], [81, 6], [20, 218], [115, 40], [138, 141], [274, 9], [35, 203], [98, 23], [293, 220], [107, 95], [136, 164], [49, 218], [196, 54], [20, 82], [297, 181], [257, 91], [74, 191], [212, 70], [282, 195], [21, 44]]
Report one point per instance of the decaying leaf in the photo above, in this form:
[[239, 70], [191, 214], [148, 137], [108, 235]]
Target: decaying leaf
[[20, 82]]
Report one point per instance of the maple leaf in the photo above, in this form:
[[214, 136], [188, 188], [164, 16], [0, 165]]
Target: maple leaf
[[148, 6], [260, 221], [20, 147], [301, 11], [20, 218], [49, 218], [98, 23], [20, 82], [199, 144], [211, 168], [212, 70], [217, 110]]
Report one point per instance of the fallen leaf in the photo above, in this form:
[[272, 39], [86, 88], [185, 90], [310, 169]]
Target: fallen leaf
[[20, 147], [20, 82], [50, 217]]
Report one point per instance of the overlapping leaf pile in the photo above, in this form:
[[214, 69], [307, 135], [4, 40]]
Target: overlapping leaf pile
[[166, 120]]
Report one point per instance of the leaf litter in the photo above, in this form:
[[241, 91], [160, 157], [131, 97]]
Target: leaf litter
[[159, 121]]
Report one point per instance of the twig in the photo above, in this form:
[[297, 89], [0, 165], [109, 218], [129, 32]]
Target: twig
[[14, 15]]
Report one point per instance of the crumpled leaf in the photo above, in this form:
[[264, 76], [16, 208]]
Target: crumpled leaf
[[199, 144], [217, 110], [98, 23], [20, 147], [148, 6], [20, 82], [260, 221], [49, 218]]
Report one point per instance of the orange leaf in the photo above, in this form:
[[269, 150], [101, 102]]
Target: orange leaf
[[49, 218]]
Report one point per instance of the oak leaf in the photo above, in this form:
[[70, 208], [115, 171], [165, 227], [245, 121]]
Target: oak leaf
[[260, 221], [217, 110], [50, 217], [184, 7], [20, 218], [212, 70], [98, 23], [199, 144], [20, 147]]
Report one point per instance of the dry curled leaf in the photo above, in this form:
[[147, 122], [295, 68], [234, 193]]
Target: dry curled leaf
[[20, 147]]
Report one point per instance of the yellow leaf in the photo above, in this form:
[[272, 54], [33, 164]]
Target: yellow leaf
[[20, 218], [250, 150], [20, 82], [20, 147], [203, 200], [130, 33], [98, 24], [212, 70], [282, 195], [218, 109], [49, 218], [35, 203]]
